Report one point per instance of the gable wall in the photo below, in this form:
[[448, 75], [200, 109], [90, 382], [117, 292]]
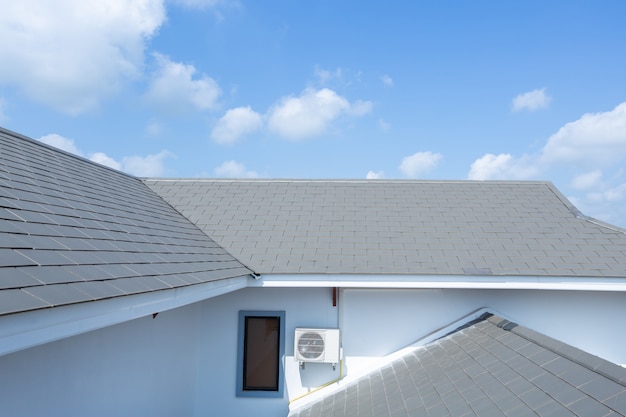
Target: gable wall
[[143, 367], [378, 322], [217, 335], [184, 362]]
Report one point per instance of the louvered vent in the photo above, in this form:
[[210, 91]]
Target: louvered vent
[[317, 345]]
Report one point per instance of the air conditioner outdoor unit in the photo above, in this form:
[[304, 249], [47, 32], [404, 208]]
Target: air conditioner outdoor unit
[[317, 345]]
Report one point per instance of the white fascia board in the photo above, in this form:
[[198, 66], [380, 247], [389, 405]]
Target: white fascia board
[[24, 330], [441, 282]]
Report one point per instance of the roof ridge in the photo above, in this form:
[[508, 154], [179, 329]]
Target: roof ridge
[[580, 215], [593, 363], [345, 396], [345, 180], [64, 152]]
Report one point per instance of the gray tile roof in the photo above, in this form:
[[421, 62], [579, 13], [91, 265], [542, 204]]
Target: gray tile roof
[[399, 227], [73, 231], [491, 368]]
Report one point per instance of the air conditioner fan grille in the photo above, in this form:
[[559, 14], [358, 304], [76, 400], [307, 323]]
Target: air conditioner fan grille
[[310, 345]]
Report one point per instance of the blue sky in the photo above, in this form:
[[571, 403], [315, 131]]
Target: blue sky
[[481, 90]]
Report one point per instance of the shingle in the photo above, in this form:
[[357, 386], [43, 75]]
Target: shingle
[[137, 285], [60, 211], [15, 300], [97, 290], [618, 403], [45, 257], [552, 409], [588, 407], [602, 388], [52, 274], [578, 376], [13, 258], [608, 369], [58, 294], [528, 221], [16, 278], [521, 393]]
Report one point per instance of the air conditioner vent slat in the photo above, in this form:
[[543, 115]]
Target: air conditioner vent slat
[[317, 345], [311, 345]]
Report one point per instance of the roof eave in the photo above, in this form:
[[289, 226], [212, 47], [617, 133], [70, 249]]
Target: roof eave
[[33, 328], [390, 281]]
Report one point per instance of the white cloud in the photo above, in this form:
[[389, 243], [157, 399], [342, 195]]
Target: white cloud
[[605, 202], [595, 139], [371, 175], [592, 143], [587, 181], [154, 128], [70, 54], [383, 125], [141, 166], [311, 113], [199, 4], [361, 107], [236, 123], [325, 76], [617, 193], [502, 167], [489, 166], [146, 166], [105, 160], [233, 169], [532, 100], [387, 80], [174, 88], [578, 156], [215, 5], [419, 163], [61, 142]]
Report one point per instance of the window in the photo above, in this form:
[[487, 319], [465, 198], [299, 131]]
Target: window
[[260, 351]]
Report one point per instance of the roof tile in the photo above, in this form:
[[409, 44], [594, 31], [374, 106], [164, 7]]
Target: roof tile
[[65, 220], [521, 228], [442, 379]]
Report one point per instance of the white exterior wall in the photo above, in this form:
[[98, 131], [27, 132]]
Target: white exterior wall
[[305, 307], [377, 322], [184, 362], [143, 367]]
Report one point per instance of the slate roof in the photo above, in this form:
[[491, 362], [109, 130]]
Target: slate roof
[[73, 231], [399, 227], [492, 368]]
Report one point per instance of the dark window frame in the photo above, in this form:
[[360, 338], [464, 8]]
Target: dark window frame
[[268, 392]]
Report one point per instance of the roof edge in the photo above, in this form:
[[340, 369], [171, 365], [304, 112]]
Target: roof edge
[[344, 180], [32, 328], [465, 321], [594, 363], [580, 215], [412, 281], [64, 152]]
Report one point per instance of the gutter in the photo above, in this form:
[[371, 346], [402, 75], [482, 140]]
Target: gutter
[[32, 328], [617, 284]]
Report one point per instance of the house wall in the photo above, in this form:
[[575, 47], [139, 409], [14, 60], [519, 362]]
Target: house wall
[[144, 367], [218, 318], [377, 322], [184, 362]]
